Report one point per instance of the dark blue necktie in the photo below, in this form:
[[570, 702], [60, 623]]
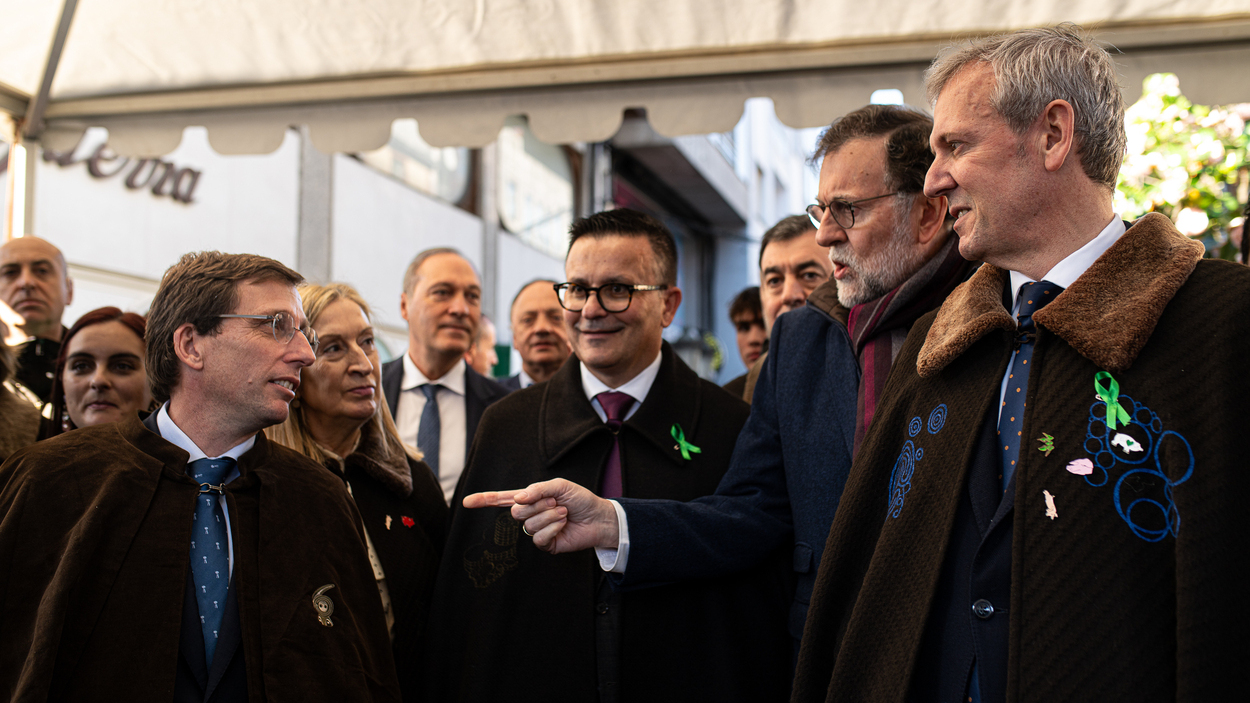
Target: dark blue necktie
[[210, 562], [431, 428], [1033, 296]]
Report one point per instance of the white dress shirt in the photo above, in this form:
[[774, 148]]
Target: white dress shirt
[[525, 379], [637, 388], [1064, 274], [452, 418], [173, 434]]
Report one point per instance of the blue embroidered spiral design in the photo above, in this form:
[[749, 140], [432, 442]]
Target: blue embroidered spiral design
[[905, 465], [1098, 440], [900, 479]]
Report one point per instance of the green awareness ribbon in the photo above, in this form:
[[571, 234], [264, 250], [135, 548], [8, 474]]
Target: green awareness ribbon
[[1111, 396], [686, 447]]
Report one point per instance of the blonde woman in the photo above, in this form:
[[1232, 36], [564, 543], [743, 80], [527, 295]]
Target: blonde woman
[[340, 419]]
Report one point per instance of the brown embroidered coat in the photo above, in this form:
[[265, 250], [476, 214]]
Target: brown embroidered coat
[[1130, 587], [95, 528]]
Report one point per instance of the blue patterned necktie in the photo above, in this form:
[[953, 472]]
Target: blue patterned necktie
[[431, 428], [210, 563], [1033, 296]]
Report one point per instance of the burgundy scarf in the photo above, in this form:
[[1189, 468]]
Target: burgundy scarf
[[879, 327]]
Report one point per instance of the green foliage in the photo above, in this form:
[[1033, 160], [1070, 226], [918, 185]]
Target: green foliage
[[1189, 162]]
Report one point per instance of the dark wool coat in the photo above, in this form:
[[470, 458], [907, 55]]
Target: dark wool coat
[[505, 611], [1129, 588], [95, 528], [402, 507], [786, 476]]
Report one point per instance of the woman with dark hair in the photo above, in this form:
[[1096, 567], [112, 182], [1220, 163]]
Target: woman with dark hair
[[100, 374], [340, 419], [19, 416]]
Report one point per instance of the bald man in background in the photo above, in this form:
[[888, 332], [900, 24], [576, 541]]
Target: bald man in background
[[35, 284]]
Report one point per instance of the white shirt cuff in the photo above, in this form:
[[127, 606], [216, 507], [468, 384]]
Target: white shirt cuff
[[613, 560]]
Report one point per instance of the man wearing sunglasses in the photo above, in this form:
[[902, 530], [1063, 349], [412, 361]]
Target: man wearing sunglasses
[[894, 259], [183, 555], [625, 417]]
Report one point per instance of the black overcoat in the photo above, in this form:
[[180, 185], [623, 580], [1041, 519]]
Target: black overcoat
[[401, 505], [1126, 556], [95, 533], [511, 622]]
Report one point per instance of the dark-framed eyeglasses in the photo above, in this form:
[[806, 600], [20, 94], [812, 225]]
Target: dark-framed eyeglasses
[[843, 211], [613, 297], [284, 327]]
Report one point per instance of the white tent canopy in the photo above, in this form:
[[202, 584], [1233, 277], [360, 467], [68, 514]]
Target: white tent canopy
[[247, 70]]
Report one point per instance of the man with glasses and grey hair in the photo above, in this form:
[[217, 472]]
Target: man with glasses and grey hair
[[628, 418], [1050, 503], [183, 556]]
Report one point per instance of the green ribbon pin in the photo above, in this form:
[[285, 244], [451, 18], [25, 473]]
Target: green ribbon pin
[[685, 447], [1111, 396]]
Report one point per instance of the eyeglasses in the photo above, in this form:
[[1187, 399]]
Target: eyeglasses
[[284, 328], [613, 297], [843, 211]]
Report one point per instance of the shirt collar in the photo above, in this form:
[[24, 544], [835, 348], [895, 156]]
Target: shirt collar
[[636, 388], [173, 434], [1066, 272], [453, 380], [525, 379]]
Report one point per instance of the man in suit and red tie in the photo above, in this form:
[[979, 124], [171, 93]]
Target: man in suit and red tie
[[628, 418]]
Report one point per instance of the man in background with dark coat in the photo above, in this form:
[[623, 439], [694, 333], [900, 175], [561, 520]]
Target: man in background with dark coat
[[185, 556], [893, 260], [537, 334], [629, 418], [434, 395], [35, 283], [1050, 504]]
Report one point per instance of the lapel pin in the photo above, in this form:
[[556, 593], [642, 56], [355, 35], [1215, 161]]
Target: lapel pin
[[1048, 444], [1126, 443], [686, 448], [323, 605], [388, 522], [1081, 467], [408, 522], [1051, 512]]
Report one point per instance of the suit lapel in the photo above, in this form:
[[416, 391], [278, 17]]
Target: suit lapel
[[392, 380]]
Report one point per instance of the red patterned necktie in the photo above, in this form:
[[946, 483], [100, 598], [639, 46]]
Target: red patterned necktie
[[615, 405]]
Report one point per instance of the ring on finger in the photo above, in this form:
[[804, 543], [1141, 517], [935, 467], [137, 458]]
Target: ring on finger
[[527, 532]]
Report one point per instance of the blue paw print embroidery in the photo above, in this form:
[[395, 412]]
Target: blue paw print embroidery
[[1143, 493], [905, 465]]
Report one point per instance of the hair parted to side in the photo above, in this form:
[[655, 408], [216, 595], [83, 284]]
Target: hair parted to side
[[201, 286], [747, 302], [906, 131], [132, 320], [294, 432], [631, 223], [1032, 68], [788, 228], [410, 275]]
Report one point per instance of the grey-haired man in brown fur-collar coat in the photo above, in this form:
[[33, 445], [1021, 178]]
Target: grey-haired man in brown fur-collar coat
[[1051, 509]]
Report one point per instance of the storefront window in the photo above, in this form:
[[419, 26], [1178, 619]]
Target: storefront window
[[439, 171], [535, 189]]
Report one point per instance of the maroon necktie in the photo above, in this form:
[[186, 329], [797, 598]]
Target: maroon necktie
[[615, 405]]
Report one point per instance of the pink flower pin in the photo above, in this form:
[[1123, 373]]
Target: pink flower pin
[[1081, 467]]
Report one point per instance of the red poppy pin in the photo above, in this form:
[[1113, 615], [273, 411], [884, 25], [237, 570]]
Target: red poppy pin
[[408, 522]]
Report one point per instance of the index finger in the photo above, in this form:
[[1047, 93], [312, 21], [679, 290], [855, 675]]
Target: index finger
[[490, 499]]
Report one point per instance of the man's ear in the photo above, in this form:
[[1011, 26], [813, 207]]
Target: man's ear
[[69, 290], [403, 306], [1056, 132], [930, 217], [189, 346], [672, 301]]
